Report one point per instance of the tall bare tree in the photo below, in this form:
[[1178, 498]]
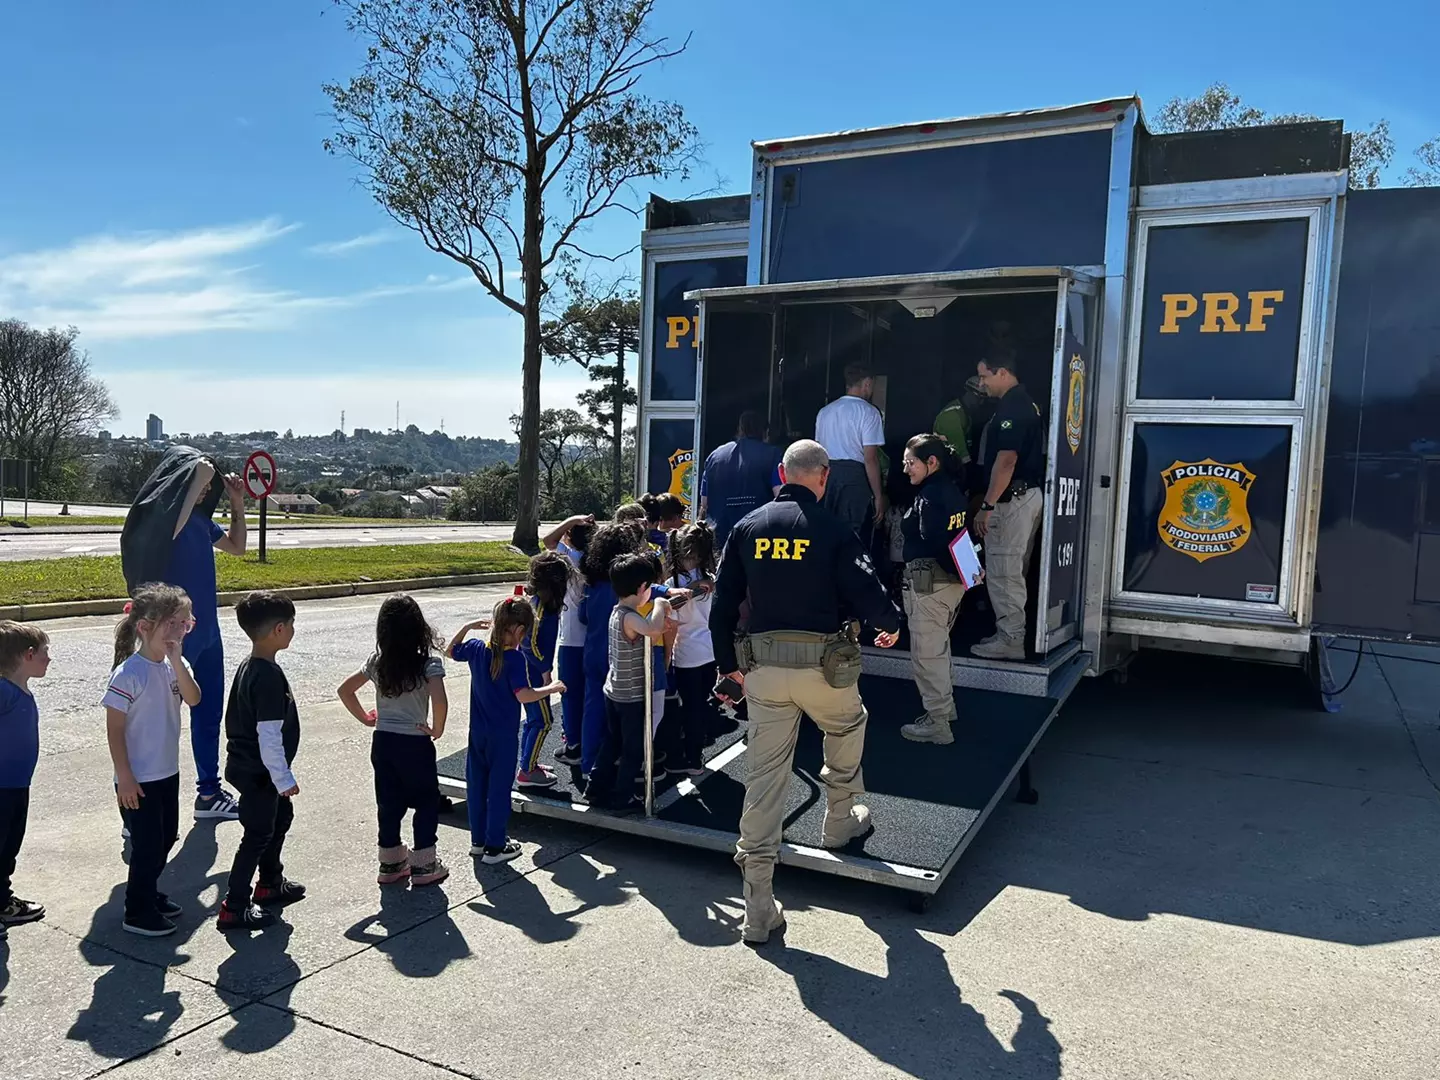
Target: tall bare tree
[[1371, 149], [1427, 173], [598, 334], [498, 130], [48, 399]]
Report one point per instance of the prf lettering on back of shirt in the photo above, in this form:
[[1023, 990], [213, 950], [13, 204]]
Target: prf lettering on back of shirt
[[957, 521], [780, 547], [678, 327], [1220, 311]]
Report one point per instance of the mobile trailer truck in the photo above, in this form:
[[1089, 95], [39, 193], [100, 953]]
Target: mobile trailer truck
[[1239, 359]]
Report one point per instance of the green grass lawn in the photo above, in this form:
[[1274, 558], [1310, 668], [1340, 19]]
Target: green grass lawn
[[40, 581]]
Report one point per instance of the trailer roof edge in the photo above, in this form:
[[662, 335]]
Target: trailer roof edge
[[1112, 108]]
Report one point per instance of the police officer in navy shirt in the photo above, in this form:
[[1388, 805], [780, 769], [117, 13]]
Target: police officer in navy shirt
[[1013, 455], [739, 476], [933, 589], [804, 573]]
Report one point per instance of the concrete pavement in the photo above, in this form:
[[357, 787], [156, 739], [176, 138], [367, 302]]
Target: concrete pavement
[[18, 545], [1218, 882]]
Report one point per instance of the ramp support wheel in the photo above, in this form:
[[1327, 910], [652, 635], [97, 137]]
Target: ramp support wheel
[[920, 902], [1026, 793]]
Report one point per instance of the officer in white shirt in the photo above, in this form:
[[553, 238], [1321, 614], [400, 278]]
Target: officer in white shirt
[[852, 432]]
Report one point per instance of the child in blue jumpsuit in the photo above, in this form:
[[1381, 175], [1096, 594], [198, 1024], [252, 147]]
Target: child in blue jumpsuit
[[499, 685], [549, 582]]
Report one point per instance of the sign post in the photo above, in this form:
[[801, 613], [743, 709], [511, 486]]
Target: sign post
[[259, 480]]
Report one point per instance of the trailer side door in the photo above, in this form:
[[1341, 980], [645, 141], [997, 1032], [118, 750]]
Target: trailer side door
[[1067, 467]]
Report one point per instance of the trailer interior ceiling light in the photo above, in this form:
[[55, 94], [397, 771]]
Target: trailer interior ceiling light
[[925, 307]]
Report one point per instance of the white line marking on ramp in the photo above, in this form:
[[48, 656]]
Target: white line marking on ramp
[[80, 549]]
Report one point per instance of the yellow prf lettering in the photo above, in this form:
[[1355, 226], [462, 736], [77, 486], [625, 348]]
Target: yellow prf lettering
[[1260, 310], [782, 549], [679, 326], [957, 521], [762, 547], [1220, 307], [799, 546], [1178, 305]]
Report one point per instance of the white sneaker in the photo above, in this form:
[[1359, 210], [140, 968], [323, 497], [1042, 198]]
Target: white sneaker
[[928, 729]]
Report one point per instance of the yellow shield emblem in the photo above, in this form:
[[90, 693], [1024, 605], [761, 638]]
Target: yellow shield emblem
[[681, 462], [1075, 404], [1206, 511]]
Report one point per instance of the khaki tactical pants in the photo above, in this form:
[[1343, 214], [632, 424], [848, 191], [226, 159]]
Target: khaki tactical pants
[[931, 618], [1008, 543], [776, 697]]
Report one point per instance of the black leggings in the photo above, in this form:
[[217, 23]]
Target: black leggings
[[696, 713], [405, 779], [14, 810], [154, 827]]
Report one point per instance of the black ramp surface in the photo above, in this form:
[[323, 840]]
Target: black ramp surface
[[924, 798], [726, 732]]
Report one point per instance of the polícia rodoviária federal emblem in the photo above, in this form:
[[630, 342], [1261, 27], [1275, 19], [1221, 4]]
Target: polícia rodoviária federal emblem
[[1206, 511], [1075, 404]]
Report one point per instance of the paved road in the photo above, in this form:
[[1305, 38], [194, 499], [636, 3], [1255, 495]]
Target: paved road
[[1217, 882], [16, 508], [14, 546]]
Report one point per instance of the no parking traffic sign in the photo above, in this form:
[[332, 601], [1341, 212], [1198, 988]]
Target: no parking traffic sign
[[259, 474]]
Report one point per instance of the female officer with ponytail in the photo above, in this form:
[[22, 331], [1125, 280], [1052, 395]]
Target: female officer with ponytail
[[932, 591]]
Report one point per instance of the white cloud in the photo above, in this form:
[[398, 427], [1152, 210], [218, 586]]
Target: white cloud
[[355, 243], [157, 285], [311, 404]]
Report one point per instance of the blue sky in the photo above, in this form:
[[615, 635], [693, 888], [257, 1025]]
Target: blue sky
[[165, 190]]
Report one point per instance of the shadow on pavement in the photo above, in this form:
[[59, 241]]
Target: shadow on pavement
[[588, 875], [256, 959], [914, 1016], [133, 999], [404, 909]]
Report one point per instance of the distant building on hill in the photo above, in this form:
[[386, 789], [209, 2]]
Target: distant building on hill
[[294, 504], [154, 429]]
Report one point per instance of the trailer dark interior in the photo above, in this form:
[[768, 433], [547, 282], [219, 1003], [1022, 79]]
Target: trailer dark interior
[[786, 359]]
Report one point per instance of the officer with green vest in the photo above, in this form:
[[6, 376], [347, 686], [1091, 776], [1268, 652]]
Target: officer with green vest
[[805, 575]]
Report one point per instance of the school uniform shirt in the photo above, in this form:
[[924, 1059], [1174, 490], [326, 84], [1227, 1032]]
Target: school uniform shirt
[[192, 568], [404, 714], [933, 520], [539, 647], [19, 735], [572, 623], [693, 647], [492, 700], [262, 725], [147, 692], [847, 426]]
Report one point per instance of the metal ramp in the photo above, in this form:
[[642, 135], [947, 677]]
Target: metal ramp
[[928, 802]]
